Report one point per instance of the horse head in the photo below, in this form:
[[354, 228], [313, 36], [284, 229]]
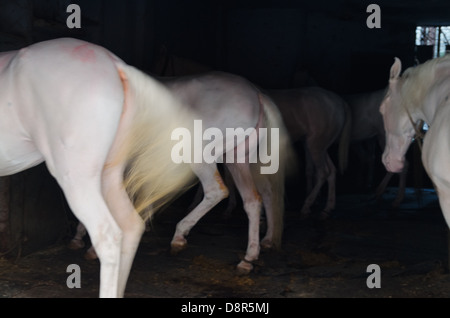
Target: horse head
[[398, 125]]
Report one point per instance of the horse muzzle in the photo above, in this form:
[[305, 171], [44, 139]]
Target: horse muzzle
[[393, 164]]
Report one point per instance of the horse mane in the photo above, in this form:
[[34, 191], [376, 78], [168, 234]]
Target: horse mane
[[417, 80]]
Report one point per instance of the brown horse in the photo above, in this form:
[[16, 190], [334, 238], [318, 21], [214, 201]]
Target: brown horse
[[367, 123], [318, 117]]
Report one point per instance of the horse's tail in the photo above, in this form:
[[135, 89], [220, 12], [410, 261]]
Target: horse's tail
[[276, 181], [344, 140], [152, 178]]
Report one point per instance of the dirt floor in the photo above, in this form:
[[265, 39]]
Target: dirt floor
[[318, 259]]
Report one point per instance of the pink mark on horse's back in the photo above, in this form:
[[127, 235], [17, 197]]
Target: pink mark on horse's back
[[84, 53]]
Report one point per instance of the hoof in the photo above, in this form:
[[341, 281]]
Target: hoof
[[266, 244], [90, 255], [76, 244], [244, 268], [177, 245]]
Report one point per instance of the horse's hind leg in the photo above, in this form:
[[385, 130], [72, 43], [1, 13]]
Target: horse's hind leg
[[331, 179], [309, 173], [322, 173], [102, 205], [129, 221], [77, 241], [83, 193], [214, 191], [232, 197], [78, 165], [267, 195], [252, 205]]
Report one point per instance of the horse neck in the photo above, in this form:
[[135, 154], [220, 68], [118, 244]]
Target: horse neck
[[425, 87], [436, 99], [366, 118]]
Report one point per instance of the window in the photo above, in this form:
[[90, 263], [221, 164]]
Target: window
[[431, 42]]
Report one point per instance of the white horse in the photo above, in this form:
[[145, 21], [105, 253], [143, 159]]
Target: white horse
[[226, 101], [88, 115], [421, 93]]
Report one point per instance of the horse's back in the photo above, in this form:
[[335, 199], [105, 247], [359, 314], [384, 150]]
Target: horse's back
[[367, 121], [310, 110], [220, 99]]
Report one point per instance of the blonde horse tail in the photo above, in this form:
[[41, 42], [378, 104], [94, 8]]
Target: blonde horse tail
[[344, 140], [287, 161], [152, 179]]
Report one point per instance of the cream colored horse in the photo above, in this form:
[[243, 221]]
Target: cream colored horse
[[88, 115], [421, 93]]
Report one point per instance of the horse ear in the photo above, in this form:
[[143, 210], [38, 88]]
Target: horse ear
[[396, 68]]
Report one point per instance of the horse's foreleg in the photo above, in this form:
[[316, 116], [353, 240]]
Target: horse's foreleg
[[214, 191], [252, 205]]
